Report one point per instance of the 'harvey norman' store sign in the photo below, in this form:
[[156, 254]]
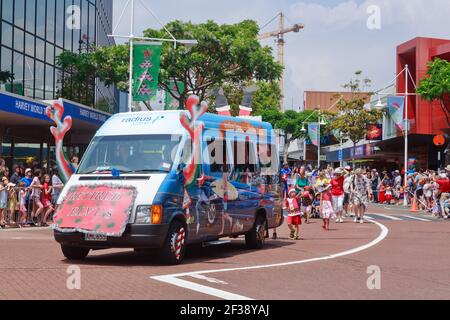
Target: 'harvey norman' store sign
[[35, 109]]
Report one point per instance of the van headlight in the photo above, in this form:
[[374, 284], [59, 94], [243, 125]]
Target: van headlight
[[143, 215]]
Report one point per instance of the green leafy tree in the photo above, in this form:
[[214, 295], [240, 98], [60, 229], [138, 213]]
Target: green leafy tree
[[290, 123], [226, 54], [6, 76], [436, 85], [353, 118], [268, 96], [77, 73]]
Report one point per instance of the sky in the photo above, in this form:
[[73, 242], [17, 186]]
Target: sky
[[336, 40]]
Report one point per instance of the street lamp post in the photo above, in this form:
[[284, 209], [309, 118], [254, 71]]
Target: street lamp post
[[405, 199], [405, 121]]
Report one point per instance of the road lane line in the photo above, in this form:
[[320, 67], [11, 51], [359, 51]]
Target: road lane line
[[416, 218], [387, 217], [174, 278]]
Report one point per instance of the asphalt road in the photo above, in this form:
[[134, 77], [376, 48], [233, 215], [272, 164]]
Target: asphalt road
[[409, 249]]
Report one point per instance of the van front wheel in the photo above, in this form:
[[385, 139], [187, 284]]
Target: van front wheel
[[175, 246], [256, 237], [74, 253]]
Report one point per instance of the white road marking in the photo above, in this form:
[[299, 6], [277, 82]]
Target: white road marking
[[387, 217], [211, 280], [174, 278], [416, 218]]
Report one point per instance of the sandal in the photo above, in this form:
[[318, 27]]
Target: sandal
[[292, 235]]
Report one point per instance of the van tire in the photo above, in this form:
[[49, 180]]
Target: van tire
[[256, 237], [74, 253], [174, 248]]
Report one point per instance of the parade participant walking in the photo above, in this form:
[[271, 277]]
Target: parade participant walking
[[348, 178], [337, 191], [326, 206], [294, 215], [360, 189], [302, 180], [306, 203]]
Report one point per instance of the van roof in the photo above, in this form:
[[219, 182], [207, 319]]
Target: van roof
[[168, 122]]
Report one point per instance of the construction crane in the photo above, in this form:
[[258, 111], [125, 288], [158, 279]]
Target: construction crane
[[279, 35]]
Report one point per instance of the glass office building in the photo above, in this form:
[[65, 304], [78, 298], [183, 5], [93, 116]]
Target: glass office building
[[34, 32]]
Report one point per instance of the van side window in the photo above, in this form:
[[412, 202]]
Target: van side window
[[217, 155], [245, 157]]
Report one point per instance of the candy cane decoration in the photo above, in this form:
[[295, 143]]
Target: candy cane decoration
[[195, 129], [55, 113], [180, 243]]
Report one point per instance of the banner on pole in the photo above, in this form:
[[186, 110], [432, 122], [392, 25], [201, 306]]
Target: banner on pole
[[171, 102], [313, 133], [396, 109], [146, 64]]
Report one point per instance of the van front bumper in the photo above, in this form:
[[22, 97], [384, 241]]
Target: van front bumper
[[135, 236]]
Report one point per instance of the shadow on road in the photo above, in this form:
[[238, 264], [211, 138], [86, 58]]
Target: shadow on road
[[195, 254]]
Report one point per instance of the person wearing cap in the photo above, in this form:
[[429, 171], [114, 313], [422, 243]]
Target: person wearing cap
[[337, 191], [294, 214], [360, 188]]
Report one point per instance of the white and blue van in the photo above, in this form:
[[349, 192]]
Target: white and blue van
[[231, 189]]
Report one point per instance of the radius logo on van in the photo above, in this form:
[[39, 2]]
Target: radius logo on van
[[142, 120]]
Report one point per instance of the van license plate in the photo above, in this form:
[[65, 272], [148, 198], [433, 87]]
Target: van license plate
[[95, 237]]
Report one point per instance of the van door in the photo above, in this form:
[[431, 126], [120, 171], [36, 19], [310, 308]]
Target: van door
[[245, 178], [213, 208]]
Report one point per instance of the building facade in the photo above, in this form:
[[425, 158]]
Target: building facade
[[34, 32], [427, 119]]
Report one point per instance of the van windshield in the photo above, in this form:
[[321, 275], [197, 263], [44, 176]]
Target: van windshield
[[130, 154]]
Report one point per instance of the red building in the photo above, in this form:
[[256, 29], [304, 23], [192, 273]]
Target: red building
[[427, 118]]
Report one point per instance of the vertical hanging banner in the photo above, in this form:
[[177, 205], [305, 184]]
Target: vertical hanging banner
[[396, 109], [175, 87], [146, 65], [313, 133]]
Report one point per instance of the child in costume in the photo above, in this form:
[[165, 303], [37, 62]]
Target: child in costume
[[294, 214]]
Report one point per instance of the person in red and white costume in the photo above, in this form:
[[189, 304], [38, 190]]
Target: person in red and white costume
[[294, 214]]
